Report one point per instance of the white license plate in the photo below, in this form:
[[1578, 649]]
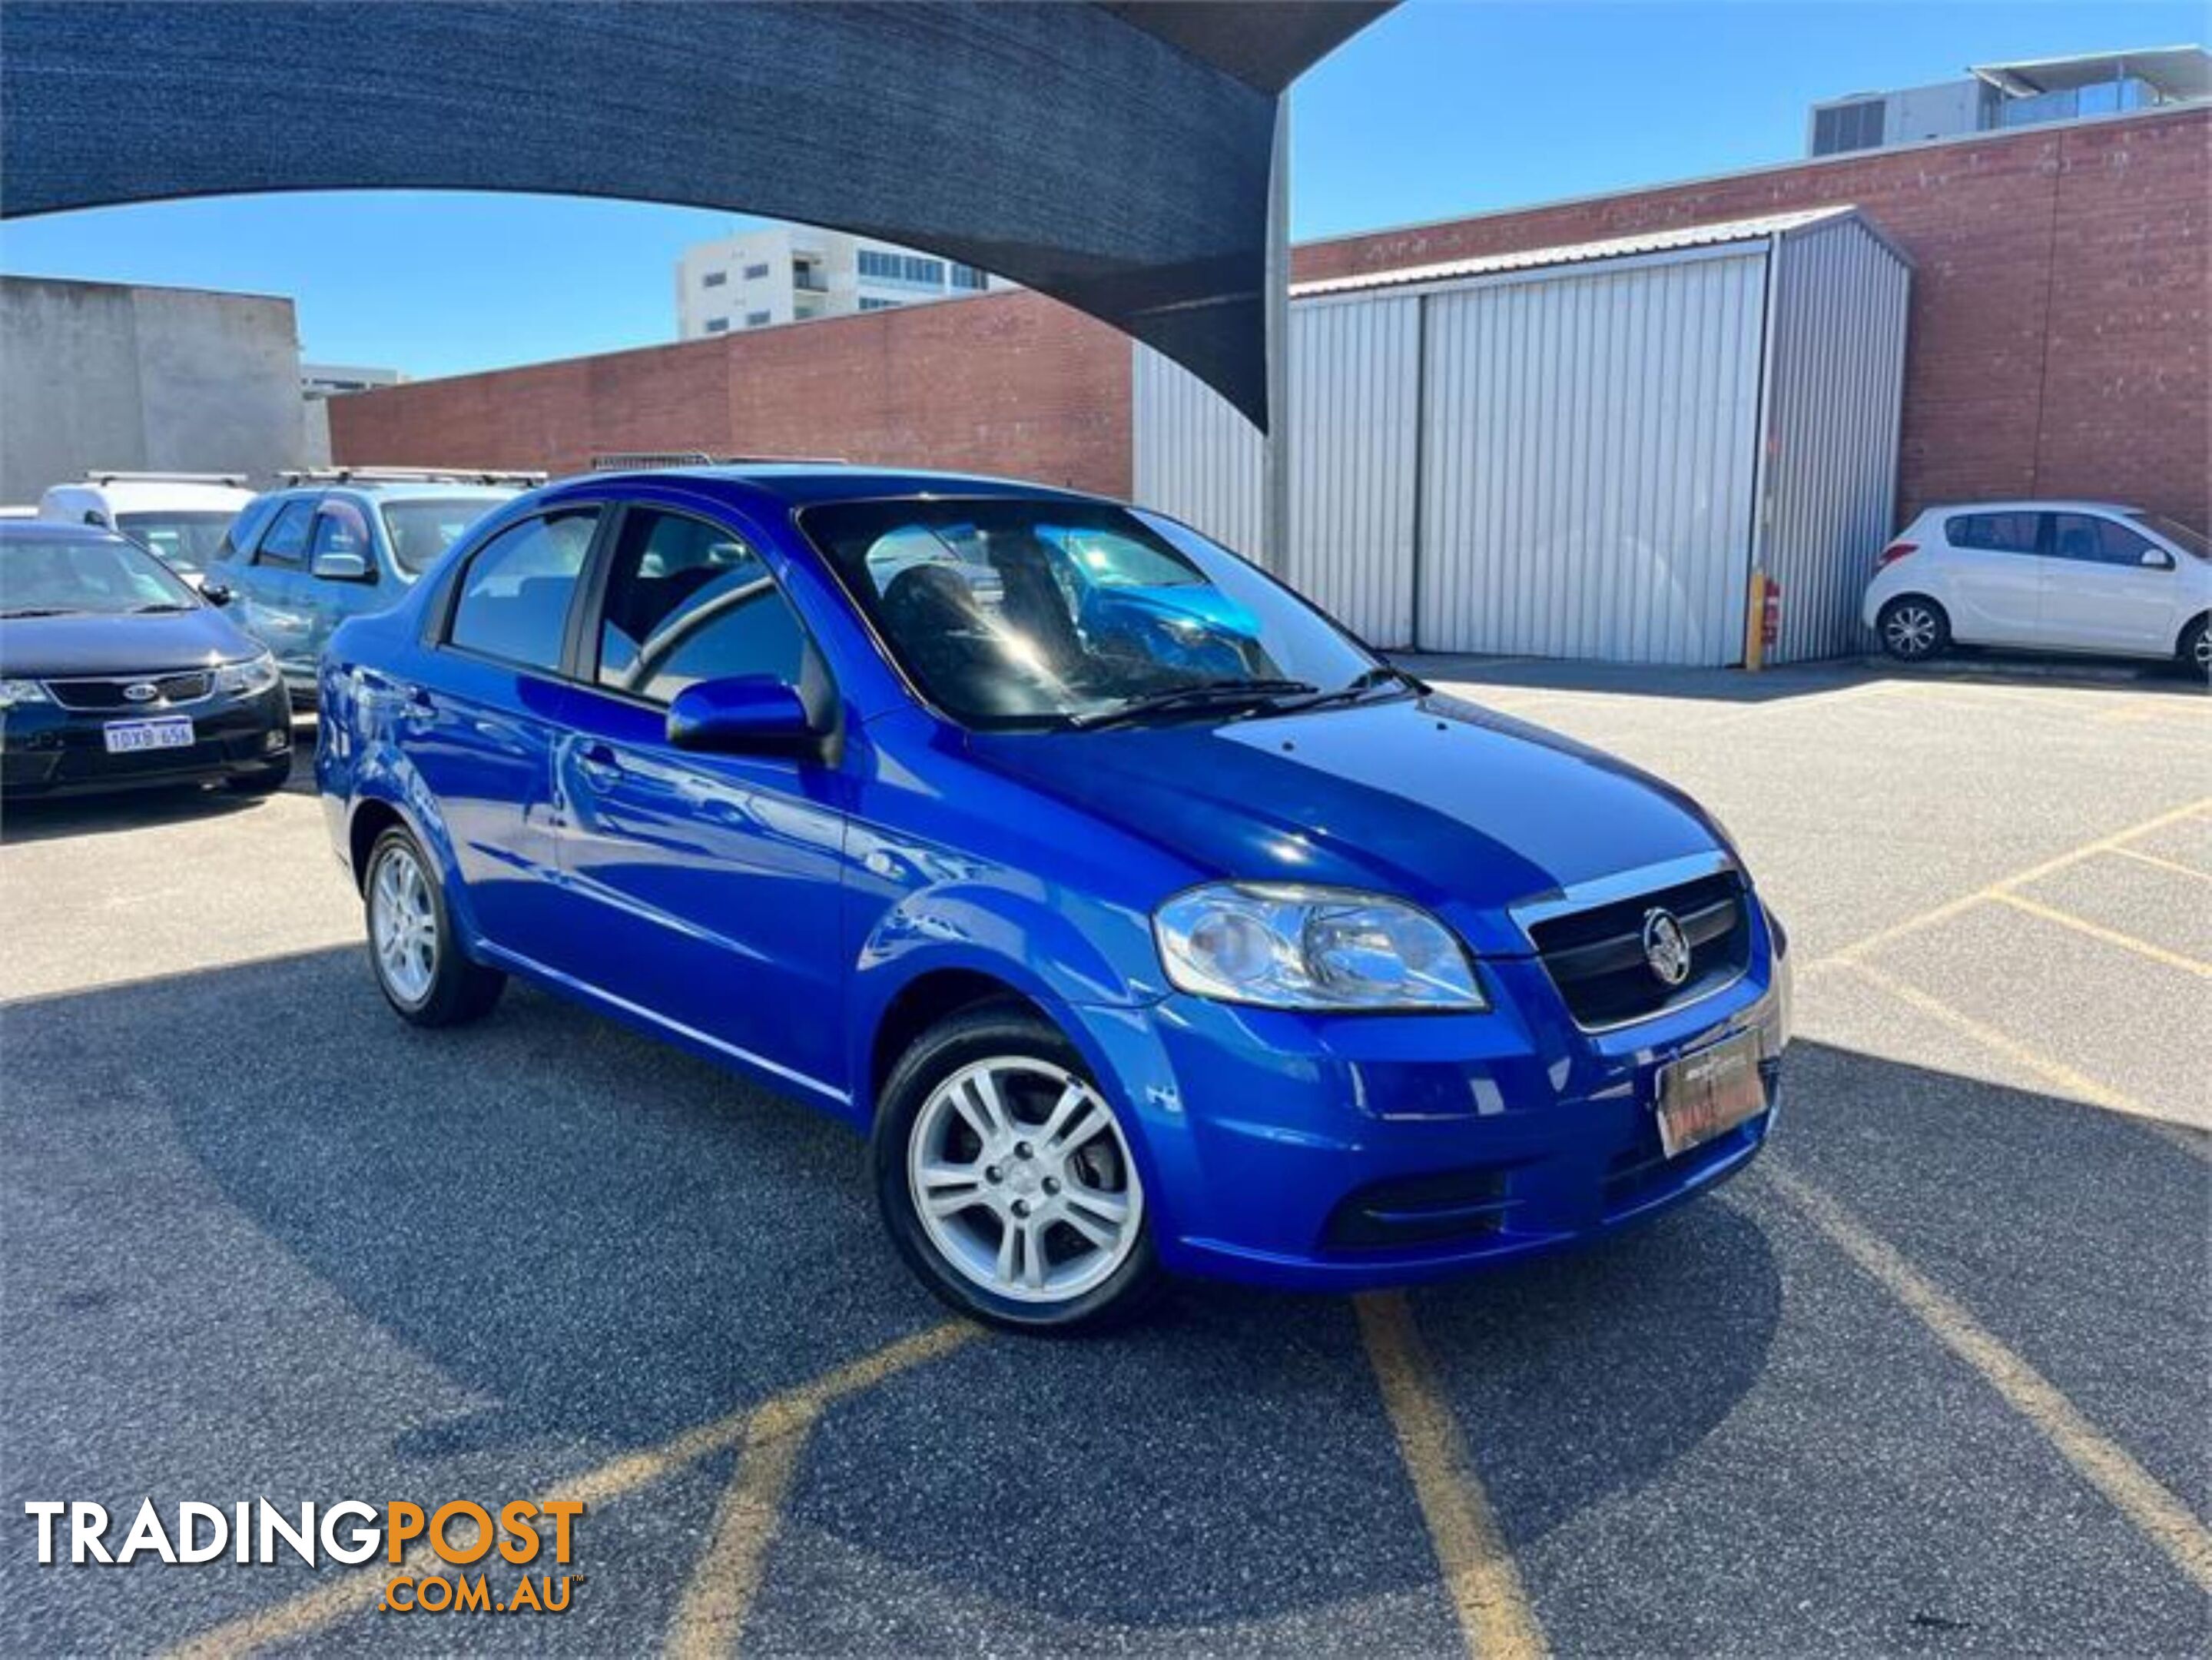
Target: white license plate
[[172, 731], [1710, 1093]]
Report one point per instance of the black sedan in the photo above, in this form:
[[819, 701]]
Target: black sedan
[[115, 674]]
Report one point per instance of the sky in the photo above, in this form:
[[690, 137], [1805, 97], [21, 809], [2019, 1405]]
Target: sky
[[1441, 108]]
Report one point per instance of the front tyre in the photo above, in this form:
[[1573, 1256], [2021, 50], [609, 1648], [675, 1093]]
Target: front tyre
[[1006, 1181], [418, 961], [2196, 655], [1913, 629]]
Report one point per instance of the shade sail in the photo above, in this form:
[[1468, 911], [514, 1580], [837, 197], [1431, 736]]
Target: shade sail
[[1114, 156]]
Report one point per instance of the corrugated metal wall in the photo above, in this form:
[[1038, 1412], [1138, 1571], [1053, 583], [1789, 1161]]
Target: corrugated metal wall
[[1591, 438], [1837, 386], [1589, 446], [1354, 407]]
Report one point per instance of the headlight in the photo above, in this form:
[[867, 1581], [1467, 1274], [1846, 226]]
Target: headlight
[[255, 674], [13, 692], [1286, 946]]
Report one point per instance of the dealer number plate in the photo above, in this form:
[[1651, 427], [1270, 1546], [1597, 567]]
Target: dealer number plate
[[1710, 1093], [128, 737]]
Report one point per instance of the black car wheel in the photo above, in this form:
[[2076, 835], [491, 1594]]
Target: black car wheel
[[418, 961], [1006, 1178], [1913, 629], [2196, 655]]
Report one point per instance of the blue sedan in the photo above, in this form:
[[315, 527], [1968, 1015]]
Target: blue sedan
[[1144, 920]]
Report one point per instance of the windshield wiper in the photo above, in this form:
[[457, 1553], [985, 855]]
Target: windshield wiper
[[36, 610], [158, 606], [1382, 676], [1204, 693]]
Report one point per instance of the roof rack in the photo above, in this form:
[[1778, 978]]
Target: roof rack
[[410, 476], [648, 460], [103, 476]]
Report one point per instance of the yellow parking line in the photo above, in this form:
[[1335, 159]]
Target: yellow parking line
[[1495, 1616], [2163, 1518], [2158, 863], [2172, 960], [2079, 1085], [1966, 901], [358, 1590], [711, 1616]]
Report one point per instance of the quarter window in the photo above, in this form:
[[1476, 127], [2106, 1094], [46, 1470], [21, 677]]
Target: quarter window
[[286, 543], [1994, 532], [515, 597], [689, 601]]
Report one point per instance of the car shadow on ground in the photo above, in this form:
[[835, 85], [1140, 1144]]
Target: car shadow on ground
[[45, 818], [606, 1243], [1793, 680]]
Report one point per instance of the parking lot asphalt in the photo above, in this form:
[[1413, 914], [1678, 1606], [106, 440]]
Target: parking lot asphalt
[[1930, 1379]]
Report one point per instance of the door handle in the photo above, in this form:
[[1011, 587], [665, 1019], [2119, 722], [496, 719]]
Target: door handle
[[598, 764]]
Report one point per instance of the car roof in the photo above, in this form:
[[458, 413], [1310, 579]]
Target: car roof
[[56, 529], [175, 492], [2037, 504], [799, 484]]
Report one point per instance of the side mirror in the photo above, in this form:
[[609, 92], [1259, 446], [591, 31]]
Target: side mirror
[[2157, 559], [339, 568], [749, 714], [215, 593]]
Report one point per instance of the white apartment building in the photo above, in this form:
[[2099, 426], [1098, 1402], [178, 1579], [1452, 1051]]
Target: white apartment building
[[790, 273]]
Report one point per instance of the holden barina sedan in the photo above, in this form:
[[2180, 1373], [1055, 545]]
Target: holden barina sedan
[[114, 673], [1216, 945]]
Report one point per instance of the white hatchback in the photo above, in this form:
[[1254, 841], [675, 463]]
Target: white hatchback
[[2072, 577]]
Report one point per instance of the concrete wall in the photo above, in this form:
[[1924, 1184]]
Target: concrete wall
[[99, 374]]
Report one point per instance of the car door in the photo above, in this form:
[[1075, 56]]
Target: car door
[[272, 588], [1993, 575], [481, 723], [341, 528], [710, 883], [2099, 593]]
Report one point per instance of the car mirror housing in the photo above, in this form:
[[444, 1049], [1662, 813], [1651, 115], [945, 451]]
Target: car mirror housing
[[2156, 559], [216, 593], [749, 714], [340, 568]]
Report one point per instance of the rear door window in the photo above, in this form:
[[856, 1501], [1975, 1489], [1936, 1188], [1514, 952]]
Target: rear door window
[[1994, 533], [515, 597]]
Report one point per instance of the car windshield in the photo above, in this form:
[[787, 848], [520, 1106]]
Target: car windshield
[[1011, 612], [2189, 540], [421, 529], [186, 541], [53, 576]]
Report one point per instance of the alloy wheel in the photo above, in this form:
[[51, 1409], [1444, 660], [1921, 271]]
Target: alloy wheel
[[1912, 631], [404, 925], [1022, 1180]]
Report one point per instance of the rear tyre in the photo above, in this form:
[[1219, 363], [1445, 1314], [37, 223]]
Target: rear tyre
[[2196, 656], [1913, 629], [1006, 1178], [261, 780], [411, 945]]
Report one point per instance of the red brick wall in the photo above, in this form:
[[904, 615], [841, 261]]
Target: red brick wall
[[2059, 329], [2059, 339], [1012, 384]]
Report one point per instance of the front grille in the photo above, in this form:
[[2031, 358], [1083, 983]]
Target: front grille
[[108, 694], [1421, 1210], [1596, 956]]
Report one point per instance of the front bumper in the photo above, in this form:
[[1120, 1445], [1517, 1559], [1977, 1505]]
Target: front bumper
[[47, 750], [1347, 1153]]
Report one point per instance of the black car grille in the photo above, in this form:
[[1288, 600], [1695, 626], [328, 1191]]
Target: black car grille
[[1596, 959], [168, 689]]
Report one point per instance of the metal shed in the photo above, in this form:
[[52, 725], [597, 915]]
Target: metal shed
[[1576, 452]]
